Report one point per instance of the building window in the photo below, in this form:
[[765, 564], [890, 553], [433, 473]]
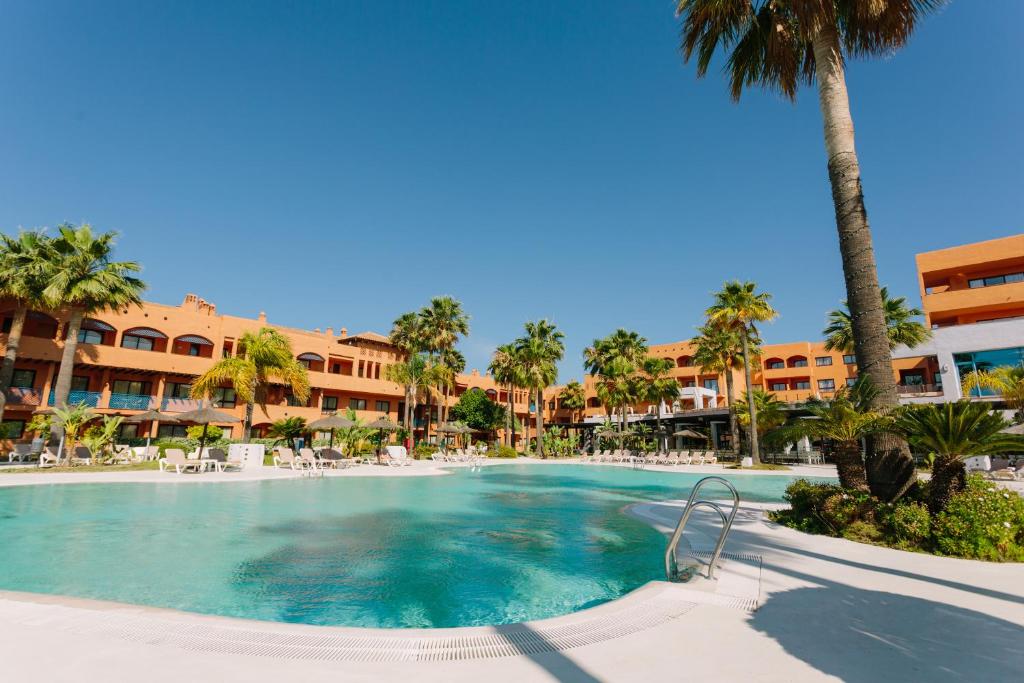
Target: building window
[[987, 360], [802, 384], [995, 280], [89, 337], [912, 379], [689, 382], [128, 431], [23, 379], [850, 381], [131, 341], [294, 402], [711, 384], [383, 406], [224, 397], [166, 431], [79, 383], [177, 390], [195, 349], [329, 403], [798, 363], [6, 327], [778, 386], [133, 387], [827, 384], [775, 364], [357, 403], [13, 429], [849, 359], [823, 360]]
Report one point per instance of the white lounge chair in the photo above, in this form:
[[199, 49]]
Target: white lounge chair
[[22, 452], [222, 461], [175, 458], [710, 458], [48, 458]]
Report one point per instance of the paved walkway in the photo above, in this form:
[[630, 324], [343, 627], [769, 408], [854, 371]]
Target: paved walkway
[[829, 610]]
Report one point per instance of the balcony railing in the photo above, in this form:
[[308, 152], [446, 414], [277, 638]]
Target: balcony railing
[[911, 389], [89, 398], [24, 397], [178, 405], [131, 401]]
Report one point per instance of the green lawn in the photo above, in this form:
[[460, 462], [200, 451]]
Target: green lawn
[[34, 469]]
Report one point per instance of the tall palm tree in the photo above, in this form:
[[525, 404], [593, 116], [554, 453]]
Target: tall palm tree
[[573, 397], [781, 44], [1007, 381], [408, 337], [899, 322], [615, 361], [443, 321], [22, 264], [738, 306], [539, 351], [264, 357], [414, 376], [769, 412], [719, 349], [506, 369], [954, 431], [82, 278], [658, 385]]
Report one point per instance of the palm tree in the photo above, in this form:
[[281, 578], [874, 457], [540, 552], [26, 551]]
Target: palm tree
[[70, 420], [615, 361], [657, 386], [781, 44], [739, 307], [538, 351], [769, 412], [719, 349], [264, 357], [572, 397], [899, 321], [443, 321], [1007, 381], [22, 262], [954, 431], [82, 278], [506, 369], [407, 336], [412, 373], [846, 419], [288, 429]]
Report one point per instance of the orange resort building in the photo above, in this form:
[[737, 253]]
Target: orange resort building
[[146, 358]]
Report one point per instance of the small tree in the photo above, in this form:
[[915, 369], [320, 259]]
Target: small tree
[[99, 437], [72, 419], [477, 411], [288, 429]]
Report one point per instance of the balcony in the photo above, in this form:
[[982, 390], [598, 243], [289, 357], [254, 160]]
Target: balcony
[[131, 401], [918, 389], [89, 398], [178, 405], [20, 396]]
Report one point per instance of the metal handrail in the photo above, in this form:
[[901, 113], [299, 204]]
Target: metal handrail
[[691, 503]]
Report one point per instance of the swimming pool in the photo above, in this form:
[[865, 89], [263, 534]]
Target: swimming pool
[[506, 544]]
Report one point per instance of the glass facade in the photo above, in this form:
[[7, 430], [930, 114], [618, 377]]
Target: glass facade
[[987, 360]]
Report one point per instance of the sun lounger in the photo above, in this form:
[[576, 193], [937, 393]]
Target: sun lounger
[[22, 452], [48, 458], [81, 455], [222, 461], [308, 460], [175, 458], [710, 458]]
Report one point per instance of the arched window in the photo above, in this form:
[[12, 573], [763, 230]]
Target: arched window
[[593, 402], [774, 364], [797, 361], [96, 332], [312, 361], [36, 324], [491, 394], [684, 361], [671, 360], [192, 345], [144, 339]]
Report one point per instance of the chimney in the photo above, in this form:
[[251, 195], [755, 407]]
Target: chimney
[[344, 332], [317, 330], [262, 317], [330, 332]]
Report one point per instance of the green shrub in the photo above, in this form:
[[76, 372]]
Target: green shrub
[[213, 433], [424, 450], [863, 531], [502, 452], [908, 524], [984, 521]]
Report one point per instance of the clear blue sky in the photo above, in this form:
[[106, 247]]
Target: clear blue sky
[[338, 163]]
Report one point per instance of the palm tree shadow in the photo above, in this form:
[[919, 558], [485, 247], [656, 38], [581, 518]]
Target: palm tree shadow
[[866, 636], [545, 653]]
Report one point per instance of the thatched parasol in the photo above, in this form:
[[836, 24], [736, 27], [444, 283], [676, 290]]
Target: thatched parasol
[[330, 423], [149, 416], [384, 424], [689, 433], [206, 416]]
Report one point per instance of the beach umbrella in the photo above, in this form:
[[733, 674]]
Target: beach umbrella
[[689, 433], [330, 423], [150, 416], [384, 424], [206, 416]]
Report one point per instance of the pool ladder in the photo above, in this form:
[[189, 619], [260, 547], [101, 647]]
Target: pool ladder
[[671, 568]]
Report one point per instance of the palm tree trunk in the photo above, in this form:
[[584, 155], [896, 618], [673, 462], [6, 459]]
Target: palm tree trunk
[[62, 387], [510, 420], [850, 466], [247, 423], [948, 477], [751, 405], [11, 354], [730, 397], [864, 298], [540, 422], [526, 427]]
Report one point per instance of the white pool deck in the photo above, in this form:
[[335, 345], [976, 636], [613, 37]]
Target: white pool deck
[[828, 609]]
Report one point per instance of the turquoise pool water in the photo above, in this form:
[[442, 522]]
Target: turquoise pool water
[[505, 544]]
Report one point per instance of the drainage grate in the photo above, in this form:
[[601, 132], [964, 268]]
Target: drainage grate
[[350, 645]]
